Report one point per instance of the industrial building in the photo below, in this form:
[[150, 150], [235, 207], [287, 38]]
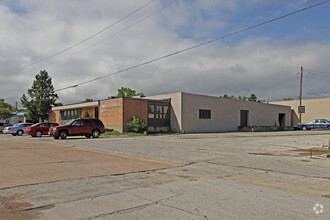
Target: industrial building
[[310, 109], [180, 112]]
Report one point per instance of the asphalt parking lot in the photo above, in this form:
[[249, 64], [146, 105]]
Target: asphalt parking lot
[[278, 175]]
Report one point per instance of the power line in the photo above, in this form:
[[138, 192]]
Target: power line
[[88, 38], [119, 32], [128, 27], [196, 46], [317, 72]]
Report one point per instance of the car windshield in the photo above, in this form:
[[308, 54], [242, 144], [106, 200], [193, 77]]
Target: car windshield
[[69, 122]]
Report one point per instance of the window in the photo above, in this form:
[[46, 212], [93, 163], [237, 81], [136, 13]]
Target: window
[[158, 114], [204, 114], [70, 114], [151, 110], [77, 123], [302, 109], [159, 111], [88, 122], [98, 122]]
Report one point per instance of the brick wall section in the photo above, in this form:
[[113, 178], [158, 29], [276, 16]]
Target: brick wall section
[[133, 107], [90, 110], [111, 114], [54, 116]]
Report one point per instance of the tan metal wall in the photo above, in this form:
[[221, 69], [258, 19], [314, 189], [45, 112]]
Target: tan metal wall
[[225, 113], [314, 109]]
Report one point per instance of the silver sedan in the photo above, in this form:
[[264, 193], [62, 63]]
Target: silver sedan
[[3, 125], [17, 129]]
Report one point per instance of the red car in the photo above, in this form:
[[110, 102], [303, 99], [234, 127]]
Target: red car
[[39, 129], [90, 127]]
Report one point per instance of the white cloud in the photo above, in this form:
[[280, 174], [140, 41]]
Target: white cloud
[[255, 65]]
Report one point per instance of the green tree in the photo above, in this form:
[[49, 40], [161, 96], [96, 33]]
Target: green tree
[[86, 115], [6, 110], [137, 125], [127, 93], [87, 100], [5, 113], [252, 98], [40, 97], [7, 106]]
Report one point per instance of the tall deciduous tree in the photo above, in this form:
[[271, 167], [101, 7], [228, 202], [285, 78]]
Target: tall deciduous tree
[[6, 110], [5, 113], [127, 93], [40, 97]]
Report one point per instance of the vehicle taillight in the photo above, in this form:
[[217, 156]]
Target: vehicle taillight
[[8, 128]]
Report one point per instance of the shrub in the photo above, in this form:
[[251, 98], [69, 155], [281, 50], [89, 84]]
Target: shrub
[[137, 125], [86, 115]]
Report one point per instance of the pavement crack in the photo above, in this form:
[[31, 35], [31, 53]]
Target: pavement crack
[[139, 207], [38, 208], [269, 170], [179, 209]]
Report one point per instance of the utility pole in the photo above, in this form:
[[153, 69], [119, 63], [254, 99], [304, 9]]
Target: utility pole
[[300, 97]]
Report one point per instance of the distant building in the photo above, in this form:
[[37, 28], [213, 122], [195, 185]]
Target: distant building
[[17, 117], [311, 109], [180, 112]]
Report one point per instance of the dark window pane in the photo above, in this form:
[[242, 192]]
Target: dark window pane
[[98, 122], [88, 122], [151, 108], [302, 109], [77, 123], [204, 114]]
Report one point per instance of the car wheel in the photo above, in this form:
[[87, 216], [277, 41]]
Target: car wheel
[[87, 136], [13, 134], [55, 137], [38, 134], [20, 132], [96, 133], [304, 128], [63, 134], [328, 127]]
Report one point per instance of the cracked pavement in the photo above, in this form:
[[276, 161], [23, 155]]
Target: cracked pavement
[[191, 176]]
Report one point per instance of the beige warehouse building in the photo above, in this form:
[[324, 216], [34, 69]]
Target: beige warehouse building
[[180, 112], [311, 109], [200, 113]]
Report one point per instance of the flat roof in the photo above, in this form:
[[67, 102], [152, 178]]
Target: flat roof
[[78, 105]]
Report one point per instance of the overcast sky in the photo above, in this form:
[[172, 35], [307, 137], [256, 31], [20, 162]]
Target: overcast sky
[[37, 35]]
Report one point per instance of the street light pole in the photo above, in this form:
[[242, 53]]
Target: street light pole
[[300, 97]]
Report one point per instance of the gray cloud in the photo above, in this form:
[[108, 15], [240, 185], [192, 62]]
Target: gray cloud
[[254, 65]]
